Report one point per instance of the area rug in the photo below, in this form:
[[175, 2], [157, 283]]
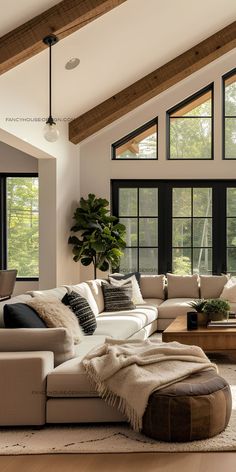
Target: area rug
[[112, 438]]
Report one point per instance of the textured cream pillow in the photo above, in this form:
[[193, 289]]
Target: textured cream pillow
[[56, 315], [136, 298], [183, 286], [229, 290]]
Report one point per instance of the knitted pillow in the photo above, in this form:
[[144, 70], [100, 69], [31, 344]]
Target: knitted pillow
[[137, 298], [82, 311], [117, 298], [55, 315]]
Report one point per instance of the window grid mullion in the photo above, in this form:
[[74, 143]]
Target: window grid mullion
[[138, 229], [192, 230]]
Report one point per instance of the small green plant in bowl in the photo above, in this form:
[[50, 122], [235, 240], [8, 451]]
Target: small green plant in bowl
[[198, 305], [216, 309]]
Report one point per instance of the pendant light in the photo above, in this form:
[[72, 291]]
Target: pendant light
[[50, 131]]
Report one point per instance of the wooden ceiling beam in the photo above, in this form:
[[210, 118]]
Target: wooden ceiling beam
[[63, 19], [153, 84]]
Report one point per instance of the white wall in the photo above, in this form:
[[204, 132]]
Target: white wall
[[58, 197], [59, 194], [13, 160], [97, 169]]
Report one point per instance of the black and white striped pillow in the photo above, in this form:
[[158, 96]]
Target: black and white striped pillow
[[82, 310], [117, 298]]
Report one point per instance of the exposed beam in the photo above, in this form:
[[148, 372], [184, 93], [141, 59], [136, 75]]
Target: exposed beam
[[63, 19], [153, 84]]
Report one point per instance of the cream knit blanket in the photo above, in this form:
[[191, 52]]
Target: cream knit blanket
[[126, 372]]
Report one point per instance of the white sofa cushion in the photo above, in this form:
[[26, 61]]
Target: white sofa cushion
[[70, 379], [152, 286], [56, 340], [211, 286], [153, 301], [57, 292], [96, 290], [124, 324], [229, 290], [174, 307], [183, 286]]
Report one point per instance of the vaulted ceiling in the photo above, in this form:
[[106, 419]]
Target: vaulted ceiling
[[115, 50]]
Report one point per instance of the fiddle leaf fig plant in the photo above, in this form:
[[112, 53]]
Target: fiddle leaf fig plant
[[100, 237]]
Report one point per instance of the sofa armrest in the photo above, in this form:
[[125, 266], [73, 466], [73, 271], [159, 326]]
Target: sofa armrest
[[57, 340], [23, 387]]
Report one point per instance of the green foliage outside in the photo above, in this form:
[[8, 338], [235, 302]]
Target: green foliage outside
[[100, 238], [181, 265], [190, 138], [230, 121], [23, 226]]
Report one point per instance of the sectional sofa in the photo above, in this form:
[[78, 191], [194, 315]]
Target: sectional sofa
[[42, 378]]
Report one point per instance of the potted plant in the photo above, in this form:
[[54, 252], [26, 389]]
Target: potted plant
[[216, 309], [100, 237], [198, 305]]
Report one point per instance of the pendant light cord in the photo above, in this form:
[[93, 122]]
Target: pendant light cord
[[50, 81]]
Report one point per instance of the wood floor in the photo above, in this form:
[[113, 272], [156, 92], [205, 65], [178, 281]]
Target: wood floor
[[142, 462]]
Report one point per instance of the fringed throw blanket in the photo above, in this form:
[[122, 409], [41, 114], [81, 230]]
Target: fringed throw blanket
[[126, 372]]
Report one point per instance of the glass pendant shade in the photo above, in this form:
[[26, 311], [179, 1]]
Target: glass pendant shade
[[50, 132]]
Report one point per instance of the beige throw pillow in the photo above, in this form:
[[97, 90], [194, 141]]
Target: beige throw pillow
[[183, 286], [211, 286], [229, 290], [56, 315], [153, 286]]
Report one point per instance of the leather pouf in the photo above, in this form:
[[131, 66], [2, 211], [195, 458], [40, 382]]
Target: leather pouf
[[198, 407]]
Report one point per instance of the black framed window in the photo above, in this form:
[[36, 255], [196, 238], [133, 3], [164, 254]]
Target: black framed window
[[138, 211], [231, 230], [192, 230], [190, 127], [229, 107], [177, 226], [141, 144], [19, 233]]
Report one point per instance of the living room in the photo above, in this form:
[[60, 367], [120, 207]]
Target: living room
[[143, 97]]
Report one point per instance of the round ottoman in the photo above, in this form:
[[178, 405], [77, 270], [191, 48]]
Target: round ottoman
[[198, 407]]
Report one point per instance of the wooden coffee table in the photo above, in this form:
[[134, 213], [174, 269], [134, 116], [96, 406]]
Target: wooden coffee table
[[209, 339]]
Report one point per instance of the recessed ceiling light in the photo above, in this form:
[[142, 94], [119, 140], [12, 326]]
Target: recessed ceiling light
[[72, 63]]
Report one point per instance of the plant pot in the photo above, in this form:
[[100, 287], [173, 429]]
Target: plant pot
[[202, 319], [217, 316]]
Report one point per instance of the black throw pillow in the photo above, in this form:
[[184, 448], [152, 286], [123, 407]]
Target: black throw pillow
[[82, 310], [126, 276], [117, 298], [20, 315]]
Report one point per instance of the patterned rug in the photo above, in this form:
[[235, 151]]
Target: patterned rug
[[111, 438]]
